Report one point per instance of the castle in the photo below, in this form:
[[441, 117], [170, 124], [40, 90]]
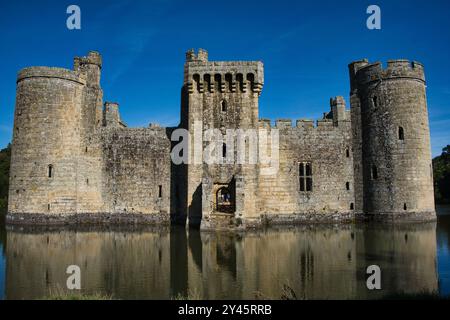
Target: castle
[[75, 161]]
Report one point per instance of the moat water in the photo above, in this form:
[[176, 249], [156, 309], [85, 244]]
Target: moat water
[[314, 262]]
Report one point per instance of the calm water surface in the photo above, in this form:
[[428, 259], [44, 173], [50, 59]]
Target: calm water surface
[[316, 262]]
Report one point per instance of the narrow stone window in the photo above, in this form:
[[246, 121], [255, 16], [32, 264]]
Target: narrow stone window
[[374, 172], [305, 177], [196, 78], [251, 80], [240, 81], [347, 185], [301, 170], [87, 181], [347, 152], [86, 150], [207, 80], [352, 206], [223, 105], [404, 206], [229, 81], [160, 191], [375, 101], [217, 82], [224, 150], [48, 207], [401, 133], [50, 171]]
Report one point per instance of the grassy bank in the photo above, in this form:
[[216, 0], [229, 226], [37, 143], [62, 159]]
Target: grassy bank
[[59, 293], [79, 296]]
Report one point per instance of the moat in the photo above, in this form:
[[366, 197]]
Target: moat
[[314, 262]]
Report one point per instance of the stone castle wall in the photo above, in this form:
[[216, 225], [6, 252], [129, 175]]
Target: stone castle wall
[[46, 138], [75, 160], [396, 153], [326, 147], [136, 171]]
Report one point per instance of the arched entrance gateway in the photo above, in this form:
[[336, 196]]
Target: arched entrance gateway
[[225, 200]]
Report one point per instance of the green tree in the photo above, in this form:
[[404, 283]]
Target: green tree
[[5, 160], [441, 172]]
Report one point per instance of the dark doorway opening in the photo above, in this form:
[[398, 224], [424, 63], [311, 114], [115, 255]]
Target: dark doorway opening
[[225, 200]]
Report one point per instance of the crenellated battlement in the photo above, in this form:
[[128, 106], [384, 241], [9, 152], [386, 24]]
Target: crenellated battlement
[[304, 124], [336, 115], [203, 76], [201, 56], [91, 66], [93, 58], [283, 124], [365, 73]]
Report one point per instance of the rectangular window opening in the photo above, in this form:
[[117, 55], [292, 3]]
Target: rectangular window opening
[[305, 177]]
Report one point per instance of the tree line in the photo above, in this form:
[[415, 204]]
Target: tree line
[[441, 172], [5, 159]]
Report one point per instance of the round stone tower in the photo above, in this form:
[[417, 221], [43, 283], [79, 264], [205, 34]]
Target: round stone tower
[[395, 139], [46, 142]]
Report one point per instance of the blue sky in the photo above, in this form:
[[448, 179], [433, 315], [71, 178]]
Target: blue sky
[[305, 46]]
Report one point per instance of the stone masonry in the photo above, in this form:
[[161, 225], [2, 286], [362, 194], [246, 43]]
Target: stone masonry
[[74, 160]]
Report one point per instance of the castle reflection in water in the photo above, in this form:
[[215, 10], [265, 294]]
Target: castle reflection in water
[[316, 262]]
